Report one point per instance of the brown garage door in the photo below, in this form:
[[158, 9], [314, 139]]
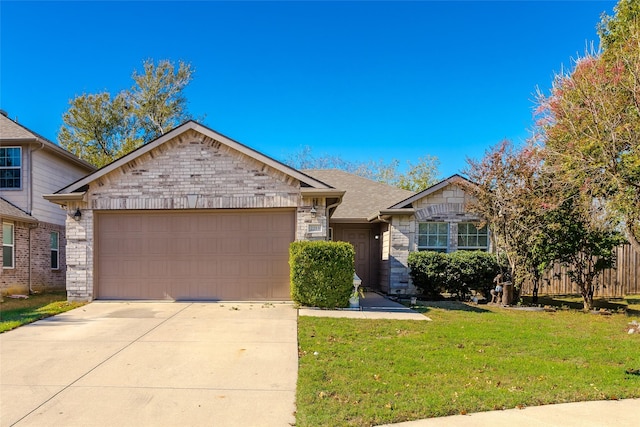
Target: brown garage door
[[212, 255]]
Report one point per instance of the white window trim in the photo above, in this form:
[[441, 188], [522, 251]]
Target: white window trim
[[56, 250], [14, 167], [433, 248], [12, 245], [473, 248]]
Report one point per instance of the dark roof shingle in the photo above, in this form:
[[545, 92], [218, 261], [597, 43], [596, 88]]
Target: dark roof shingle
[[363, 196]]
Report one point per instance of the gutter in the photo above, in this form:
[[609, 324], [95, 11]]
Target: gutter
[[62, 199]]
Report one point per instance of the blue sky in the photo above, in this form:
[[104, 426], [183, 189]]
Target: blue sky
[[359, 80]]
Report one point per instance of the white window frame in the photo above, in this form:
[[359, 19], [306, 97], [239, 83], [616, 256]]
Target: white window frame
[[428, 235], [55, 250], [11, 245], [13, 167], [475, 235]]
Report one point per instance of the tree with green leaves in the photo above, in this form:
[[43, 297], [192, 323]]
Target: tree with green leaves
[[586, 247], [538, 219], [100, 128], [510, 190], [589, 125], [419, 176]]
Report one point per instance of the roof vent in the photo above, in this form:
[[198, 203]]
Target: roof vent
[[4, 113]]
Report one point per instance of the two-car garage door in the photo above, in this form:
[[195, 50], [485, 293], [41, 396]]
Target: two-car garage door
[[203, 255]]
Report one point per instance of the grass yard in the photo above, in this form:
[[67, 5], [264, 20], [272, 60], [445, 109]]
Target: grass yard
[[355, 372], [18, 312]]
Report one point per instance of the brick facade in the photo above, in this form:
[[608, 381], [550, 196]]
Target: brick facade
[[189, 171], [33, 243]]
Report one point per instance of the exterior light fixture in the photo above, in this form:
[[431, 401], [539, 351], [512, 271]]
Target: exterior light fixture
[[77, 215], [313, 211]]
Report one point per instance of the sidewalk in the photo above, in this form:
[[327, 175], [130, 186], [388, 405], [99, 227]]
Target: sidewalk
[[372, 306], [603, 413]]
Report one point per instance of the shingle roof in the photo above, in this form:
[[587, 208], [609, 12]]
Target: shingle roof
[[363, 196], [12, 130], [9, 211]]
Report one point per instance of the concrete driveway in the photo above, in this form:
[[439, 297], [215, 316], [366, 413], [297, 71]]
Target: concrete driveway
[[144, 363]]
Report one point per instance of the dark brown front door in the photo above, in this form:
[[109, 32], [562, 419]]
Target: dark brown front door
[[361, 241]]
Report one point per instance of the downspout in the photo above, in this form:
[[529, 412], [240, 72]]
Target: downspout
[[329, 214], [30, 208]]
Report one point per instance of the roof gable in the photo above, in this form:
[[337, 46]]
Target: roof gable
[[408, 202], [201, 132]]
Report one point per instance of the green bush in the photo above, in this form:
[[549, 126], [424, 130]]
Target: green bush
[[321, 273], [428, 270], [457, 273], [471, 270]]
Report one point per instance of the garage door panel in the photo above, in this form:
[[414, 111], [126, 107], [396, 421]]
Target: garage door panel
[[258, 245], [158, 245], [213, 255]]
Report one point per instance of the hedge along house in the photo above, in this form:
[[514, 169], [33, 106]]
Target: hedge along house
[[389, 223], [192, 215], [32, 230]]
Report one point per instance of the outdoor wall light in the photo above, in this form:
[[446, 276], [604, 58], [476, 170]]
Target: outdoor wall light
[[313, 211], [77, 215]]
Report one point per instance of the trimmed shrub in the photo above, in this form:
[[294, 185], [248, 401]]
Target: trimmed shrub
[[471, 270], [428, 270], [457, 272], [321, 273]]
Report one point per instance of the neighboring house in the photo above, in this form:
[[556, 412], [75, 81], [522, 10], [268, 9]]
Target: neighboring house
[[385, 224], [192, 215], [33, 233]]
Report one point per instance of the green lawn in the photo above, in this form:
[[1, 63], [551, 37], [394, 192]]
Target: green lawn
[[356, 372], [18, 312]]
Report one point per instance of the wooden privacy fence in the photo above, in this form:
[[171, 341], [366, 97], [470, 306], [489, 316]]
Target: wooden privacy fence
[[614, 282]]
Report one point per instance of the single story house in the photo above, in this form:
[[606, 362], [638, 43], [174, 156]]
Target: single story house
[[385, 224], [195, 215], [33, 230]]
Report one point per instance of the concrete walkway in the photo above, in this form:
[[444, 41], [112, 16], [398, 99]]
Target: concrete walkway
[[613, 413], [152, 364], [373, 306]]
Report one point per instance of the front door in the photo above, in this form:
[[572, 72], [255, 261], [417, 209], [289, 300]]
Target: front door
[[361, 241]]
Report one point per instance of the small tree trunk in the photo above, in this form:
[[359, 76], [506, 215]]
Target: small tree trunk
[[587, 297], [536, 286]]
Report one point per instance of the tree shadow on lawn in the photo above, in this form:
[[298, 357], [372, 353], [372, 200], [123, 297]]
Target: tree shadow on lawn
[[426, 306], [630, 303]]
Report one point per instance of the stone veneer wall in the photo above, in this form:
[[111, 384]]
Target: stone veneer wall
[[446, 205], [191, 171]]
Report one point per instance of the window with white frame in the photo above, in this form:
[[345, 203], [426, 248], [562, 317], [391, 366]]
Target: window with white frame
[[433, 236], [8, 246], [55, 250], [10, 168], [470, 237]]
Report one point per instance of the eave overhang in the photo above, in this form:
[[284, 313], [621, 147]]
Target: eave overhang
[[64, 198], [388, 213]]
